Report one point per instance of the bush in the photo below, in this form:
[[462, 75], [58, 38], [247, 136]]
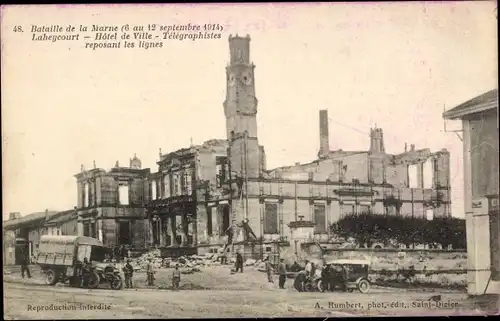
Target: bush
[[368, 228]]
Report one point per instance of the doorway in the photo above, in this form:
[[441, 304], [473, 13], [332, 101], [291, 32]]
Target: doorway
[[125, 235]]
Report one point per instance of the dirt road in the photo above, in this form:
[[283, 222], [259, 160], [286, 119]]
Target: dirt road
[[236, 296]]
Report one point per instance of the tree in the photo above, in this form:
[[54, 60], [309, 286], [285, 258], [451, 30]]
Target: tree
[[367, 228]]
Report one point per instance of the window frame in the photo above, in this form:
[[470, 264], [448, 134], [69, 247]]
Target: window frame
[[266, 229]]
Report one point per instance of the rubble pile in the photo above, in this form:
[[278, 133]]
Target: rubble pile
[[191, 263]]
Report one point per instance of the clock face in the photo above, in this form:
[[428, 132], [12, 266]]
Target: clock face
[[231, 80], [246, 78]]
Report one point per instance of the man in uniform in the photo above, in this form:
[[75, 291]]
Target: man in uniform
[[176, 278], [344, 278], [128, 271], [282, 273], [25, 263], [85, 271], [239, 262], [308, 268], [269, 270], [150, 273]]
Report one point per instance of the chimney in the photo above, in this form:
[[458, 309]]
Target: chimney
[[324, 143], [14, 215]]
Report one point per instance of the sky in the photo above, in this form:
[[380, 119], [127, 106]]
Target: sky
[[396, 65]]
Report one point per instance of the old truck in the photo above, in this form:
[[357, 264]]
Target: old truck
[[61, 257]]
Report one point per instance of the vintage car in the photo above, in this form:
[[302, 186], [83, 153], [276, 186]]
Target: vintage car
[[62, 257], [356, 271]]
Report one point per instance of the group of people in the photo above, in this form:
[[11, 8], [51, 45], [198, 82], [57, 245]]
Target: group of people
[[82, 272], [282, 271], [120, 253], [150, 273]]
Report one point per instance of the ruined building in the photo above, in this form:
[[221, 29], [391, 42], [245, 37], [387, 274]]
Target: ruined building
[[111, 204], [203, 192]]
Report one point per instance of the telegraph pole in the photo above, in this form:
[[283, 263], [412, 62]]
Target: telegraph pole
[[230, 174]]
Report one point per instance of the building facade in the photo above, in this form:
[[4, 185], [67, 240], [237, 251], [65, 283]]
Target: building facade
[[479, 118], [112, 204], [222, 183], [25, 232], [202, 194]]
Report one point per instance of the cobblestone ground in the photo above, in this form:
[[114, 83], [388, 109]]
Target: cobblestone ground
[[214, 292]]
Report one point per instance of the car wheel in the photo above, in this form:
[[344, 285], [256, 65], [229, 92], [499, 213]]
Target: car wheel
[[321, 286], [93, 281], [364, 286], [117, 283]]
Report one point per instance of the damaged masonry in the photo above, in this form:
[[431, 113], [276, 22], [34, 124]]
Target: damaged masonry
[[220, 193]]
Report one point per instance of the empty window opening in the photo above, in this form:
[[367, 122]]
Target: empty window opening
[[429, 214], [153, 189], [412, 176], [428, 173], [166, 182], [209, 221], [85, 195], [123, 194], [320, 218]]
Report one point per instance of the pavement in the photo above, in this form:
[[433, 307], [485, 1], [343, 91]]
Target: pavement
[[214, 292]]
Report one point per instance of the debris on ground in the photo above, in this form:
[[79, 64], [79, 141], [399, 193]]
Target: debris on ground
[[188, 263]]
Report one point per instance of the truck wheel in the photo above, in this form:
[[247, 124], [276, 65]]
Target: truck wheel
[[117, 283], [93, 281], [51, 277]]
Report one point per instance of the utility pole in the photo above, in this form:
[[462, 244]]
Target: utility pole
[[230, 175], [230, 182], [246, 174]]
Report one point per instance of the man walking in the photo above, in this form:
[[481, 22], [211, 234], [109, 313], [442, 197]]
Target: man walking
[[176, 278], [282, 273], [239, 262], [128, 271], [150, 273], [269, 270], [25, 263]]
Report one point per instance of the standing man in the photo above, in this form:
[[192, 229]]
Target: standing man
[[116, 254], [282, 273], [85, 272], [150, 273], [128, 271], [308, 268], [230, 233], [239, 262], [123, 252], [269, 270], [344, 277], [176, 278], [25, 262]]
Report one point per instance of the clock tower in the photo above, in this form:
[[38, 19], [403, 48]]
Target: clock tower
[[240, 110], [240, 107]]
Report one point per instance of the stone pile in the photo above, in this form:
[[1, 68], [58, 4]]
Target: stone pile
[[190, 263]]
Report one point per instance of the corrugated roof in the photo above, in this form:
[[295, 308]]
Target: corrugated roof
[[486, 101]]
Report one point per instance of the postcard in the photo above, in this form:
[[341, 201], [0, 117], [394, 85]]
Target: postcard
[[250, 160]]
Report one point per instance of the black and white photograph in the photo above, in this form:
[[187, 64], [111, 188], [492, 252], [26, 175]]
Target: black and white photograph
[[243, 160]]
